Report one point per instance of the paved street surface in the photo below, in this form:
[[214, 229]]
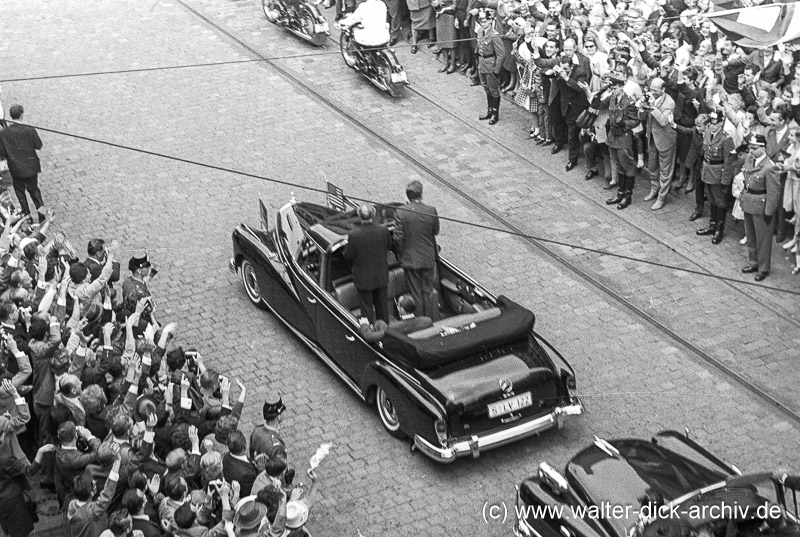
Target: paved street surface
[[250, 117]]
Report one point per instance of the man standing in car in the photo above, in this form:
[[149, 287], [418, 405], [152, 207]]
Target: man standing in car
[[368, 250], [415, 236]]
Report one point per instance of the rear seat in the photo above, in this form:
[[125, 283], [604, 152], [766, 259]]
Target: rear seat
[[347, 295], [456, 321]]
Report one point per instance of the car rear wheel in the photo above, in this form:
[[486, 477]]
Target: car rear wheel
[[388, 414], [250, 282]]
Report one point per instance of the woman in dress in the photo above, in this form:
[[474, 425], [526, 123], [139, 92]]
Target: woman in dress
[[791, 192], [422, 19], [527, 93], [446, 32]]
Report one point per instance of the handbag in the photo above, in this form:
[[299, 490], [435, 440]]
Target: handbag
[[586, 118]]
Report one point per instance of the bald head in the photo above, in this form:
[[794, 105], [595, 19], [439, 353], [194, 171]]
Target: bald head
[[365, 212], [657, 87], [569, 47]]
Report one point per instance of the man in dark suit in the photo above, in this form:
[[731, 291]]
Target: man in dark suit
[[777, 136], [97, 260], [572, 69], [18, 145], [368, 249], [415, 236], [236, 466], [759, 201]]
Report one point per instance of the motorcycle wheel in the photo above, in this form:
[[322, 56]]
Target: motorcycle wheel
[[345, 46], [271, 14], [385, 72]]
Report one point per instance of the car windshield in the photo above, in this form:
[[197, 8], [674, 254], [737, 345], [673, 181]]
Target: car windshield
[[743, 506]]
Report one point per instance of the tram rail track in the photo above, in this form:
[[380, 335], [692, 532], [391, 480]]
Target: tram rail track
[[770, 399]]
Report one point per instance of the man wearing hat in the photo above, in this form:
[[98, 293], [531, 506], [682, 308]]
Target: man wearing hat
[[717, 173], [759, 201], [250, 518], [135, 285], [491, 55], [367, 249], [266, 438]]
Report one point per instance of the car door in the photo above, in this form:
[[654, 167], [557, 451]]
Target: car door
[[338, 331], [291, 294]]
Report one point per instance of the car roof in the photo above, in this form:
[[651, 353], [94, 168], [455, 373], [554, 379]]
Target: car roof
[[640, 471]]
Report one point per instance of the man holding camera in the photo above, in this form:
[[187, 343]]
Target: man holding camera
[[657, 108]]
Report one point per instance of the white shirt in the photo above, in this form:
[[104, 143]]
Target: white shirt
[[372, 16]]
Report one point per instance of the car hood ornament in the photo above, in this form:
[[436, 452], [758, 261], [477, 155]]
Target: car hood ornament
[[506, 386]]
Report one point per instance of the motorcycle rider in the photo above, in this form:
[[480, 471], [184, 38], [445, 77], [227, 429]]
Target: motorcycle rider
[[374, 31]]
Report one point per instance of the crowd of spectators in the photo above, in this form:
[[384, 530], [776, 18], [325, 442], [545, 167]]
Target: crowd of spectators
[[647, 89], [134, 434]]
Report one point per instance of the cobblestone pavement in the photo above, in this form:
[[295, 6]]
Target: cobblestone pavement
[[250, 118]]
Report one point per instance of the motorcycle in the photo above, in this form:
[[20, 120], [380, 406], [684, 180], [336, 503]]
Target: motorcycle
[[379, 65], [305, 20]]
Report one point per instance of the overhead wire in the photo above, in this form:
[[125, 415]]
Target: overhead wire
[[444, 218]]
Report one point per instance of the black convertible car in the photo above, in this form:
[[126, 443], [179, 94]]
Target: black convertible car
[[478, 378], [666, 487]]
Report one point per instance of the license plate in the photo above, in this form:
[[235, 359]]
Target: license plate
[[319, 28], [512, 404], [399, 77]]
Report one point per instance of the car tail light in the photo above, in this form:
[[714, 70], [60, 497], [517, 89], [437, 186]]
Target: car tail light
[[571, 382], [441, 431]]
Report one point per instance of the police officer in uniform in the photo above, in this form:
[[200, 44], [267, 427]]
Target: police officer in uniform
[[491, 55], [717, 174], [623, 119], [759, 201]]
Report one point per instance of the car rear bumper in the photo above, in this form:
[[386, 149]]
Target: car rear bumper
[[479, 443]]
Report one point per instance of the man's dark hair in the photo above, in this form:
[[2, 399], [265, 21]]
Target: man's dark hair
[[16, 111], [82, 485], [414, 190], [30, 250], [176, 359], [785, 111], [120, 522], [276, 465], [95, 246], [78, 272], [236, 443], [184, 516], [133, 501], [39, 328], [176, 488], [6, 308], [137, 480], [271, 497], [67, 432], [753, 68]]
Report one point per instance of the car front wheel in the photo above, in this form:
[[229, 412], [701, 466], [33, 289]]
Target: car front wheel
[[250, 282], [388, 413]]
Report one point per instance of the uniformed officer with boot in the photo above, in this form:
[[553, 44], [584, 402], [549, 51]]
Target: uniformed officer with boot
[[491, 55], [759, 201], [717, 174], [623, 119]]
